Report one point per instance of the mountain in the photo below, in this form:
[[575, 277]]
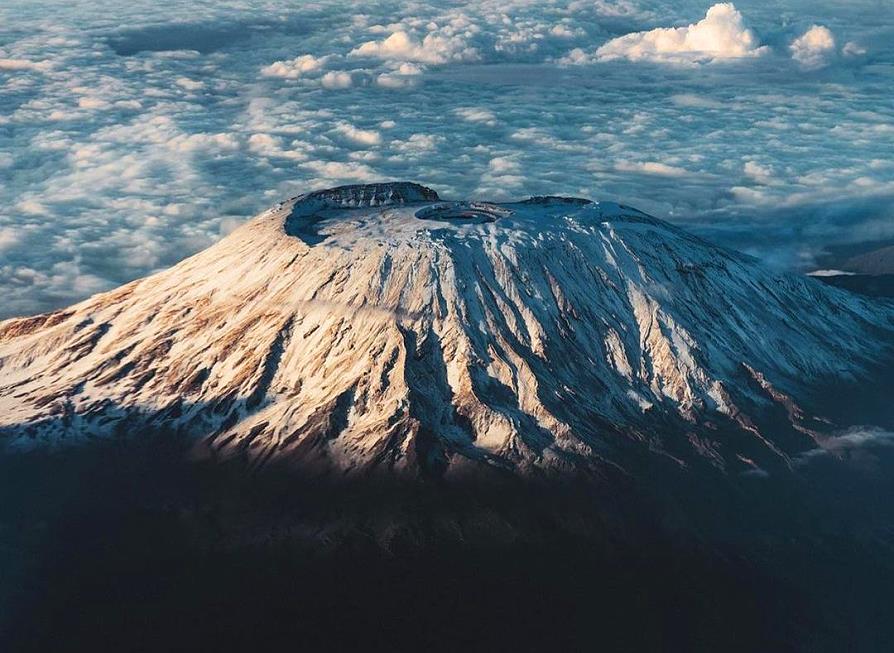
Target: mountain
[[871, 285], [867, 273], [878, 262], [379, 329], [372, 419]]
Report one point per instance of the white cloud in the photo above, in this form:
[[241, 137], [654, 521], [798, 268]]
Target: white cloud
[[759, 173], [271, 146], [189, 84], [565, 32], [209, 143], [854, 438], [89, 102], [364, 137], [433, 49], [502, 178], [577, 56], [132, 105], [8, 237], [617, 8], [418, 144], [408, 68], [813, 47], [697, 101], [330, 171], [852, 49], [390, 80], [22, 64], [337, 79], [502, 165], [750, 195], [294, 68], [31, 207], [403, 76], [651, 168], [720, 35], [476, 114], [264, 144]]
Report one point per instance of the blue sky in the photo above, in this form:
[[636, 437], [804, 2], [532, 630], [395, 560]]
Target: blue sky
[[134, 136]]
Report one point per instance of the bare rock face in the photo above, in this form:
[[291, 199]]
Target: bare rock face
[[379, 328]]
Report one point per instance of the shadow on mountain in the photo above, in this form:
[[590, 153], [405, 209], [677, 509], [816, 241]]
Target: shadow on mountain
[[136, 545]]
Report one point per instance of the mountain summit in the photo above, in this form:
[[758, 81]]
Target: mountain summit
[[378, 327]]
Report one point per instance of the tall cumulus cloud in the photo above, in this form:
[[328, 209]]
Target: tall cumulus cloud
[[720, 35]]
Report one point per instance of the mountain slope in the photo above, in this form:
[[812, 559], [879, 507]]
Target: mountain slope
[[379, 328], [877, 262]]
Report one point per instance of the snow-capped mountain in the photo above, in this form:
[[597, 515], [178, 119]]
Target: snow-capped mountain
[[379, 328]]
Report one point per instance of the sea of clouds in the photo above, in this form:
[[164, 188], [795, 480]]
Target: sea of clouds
[[132, 136]]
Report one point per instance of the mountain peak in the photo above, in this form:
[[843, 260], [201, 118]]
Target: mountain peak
[[366, 195], [392, 330], [347, 215]]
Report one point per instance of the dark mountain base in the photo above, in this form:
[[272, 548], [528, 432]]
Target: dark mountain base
[[114, 548], [872, 285]]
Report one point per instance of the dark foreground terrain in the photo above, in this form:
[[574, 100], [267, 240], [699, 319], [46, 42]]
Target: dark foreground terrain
[[135, 548]]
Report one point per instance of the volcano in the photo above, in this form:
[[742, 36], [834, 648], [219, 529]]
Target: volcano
[[372, 419], [377, 329]]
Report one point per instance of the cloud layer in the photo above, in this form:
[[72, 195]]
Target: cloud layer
[[122, 150]]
